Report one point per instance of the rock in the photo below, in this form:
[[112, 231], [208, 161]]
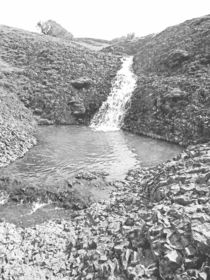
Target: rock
[[82, 82], [176, 95], [201, 235], [77, 106], [45, 121], [170, 263], [176, 57], [129, 222], [54, 29], [202, 275], [183, 200]]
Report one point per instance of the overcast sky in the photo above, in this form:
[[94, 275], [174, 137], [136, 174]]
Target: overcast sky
[[102, 18]]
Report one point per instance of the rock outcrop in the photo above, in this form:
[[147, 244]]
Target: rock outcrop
[[52, 28], [172, 98], [54, 72]]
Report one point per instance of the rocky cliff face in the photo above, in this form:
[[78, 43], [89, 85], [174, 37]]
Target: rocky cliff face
[[60, 81], [172, 98]]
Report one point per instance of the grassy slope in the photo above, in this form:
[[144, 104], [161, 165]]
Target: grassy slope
[[49, 65]]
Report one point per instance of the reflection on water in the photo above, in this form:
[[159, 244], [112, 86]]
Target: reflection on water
[[66, 150]]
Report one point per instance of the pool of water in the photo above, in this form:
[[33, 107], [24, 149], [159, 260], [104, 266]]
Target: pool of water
[[66, 150]]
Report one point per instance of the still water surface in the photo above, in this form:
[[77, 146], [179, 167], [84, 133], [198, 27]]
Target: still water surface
[[66, 150]]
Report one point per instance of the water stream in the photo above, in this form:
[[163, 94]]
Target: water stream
[[111, 114]]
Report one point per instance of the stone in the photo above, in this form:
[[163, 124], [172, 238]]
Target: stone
[[129, 222], [82, 82], [42, 121], [171, 261], [176, 57], [183, 200], [176, 94], [54, 29]]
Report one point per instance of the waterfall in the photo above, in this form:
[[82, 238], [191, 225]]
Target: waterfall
[[111, 114]]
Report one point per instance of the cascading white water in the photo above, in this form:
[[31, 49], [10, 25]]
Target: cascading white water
[[111, 114]]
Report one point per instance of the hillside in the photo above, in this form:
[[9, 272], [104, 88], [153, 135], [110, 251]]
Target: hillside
[[55, 80], [60, 81], [16, 122], [92, 44], [172, 99]]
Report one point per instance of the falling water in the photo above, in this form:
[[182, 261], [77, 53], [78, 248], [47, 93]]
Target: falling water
[[111, 114]]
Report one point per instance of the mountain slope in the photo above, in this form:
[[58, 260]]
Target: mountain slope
[[52, 83], [172, 99], [58, 81]]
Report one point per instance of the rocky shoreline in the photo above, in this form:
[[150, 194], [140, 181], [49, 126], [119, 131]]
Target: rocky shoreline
[[155, 225]]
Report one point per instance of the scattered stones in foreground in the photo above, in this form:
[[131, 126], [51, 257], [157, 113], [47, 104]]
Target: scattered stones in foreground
[[156, 225]]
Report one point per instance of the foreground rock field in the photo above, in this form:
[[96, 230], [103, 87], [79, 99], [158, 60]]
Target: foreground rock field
[[156, 225]]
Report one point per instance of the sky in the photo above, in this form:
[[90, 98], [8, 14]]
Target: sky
[[105, 19]]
